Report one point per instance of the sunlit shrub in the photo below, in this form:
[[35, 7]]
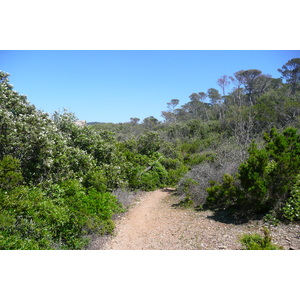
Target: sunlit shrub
[[291, 209], [224, 194], [257, 242]]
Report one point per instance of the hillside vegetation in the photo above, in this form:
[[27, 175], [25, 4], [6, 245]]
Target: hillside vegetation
[[236, 150]]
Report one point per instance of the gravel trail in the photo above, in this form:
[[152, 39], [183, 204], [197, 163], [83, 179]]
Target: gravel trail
[[152, 223]]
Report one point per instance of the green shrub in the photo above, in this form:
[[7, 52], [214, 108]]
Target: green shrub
[[291, 209], [174, 175], [187, 201], [16, 242], [24, 221], [149, 143], [102, 205], [224, 194], [267, 181], [269, 174], [96, 179], [190, 147], [149, 181], [10, 172], [258, 242], [59, 218], [162, 173], [198, 158]]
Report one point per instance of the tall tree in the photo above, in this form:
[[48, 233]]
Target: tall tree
[[150, 122], [291, 73], [224, 82], [134, 121], [170, 115], [171, 109], [202, 96], [214, 96], [196, 107], [215, 100], [248, 78], [172, 104]]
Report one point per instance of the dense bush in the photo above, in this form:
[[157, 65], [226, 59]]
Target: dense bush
[[58, 218], [149, 177], [266, 181], [291, 208], [269, 174], [224, 194], [10, 173], [56, 177], [223, 160]]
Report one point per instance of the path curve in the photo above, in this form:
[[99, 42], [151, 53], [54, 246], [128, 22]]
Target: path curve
[[145, 226], [153, 224]]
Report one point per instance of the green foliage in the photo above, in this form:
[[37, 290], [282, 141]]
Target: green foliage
[[187, 201], [267, 181], [269, 174], [10, 173], [198, 158], [291, 72], [175, 174], [31, 219], [224, 194], [149, 178], [96, 179], [149, 143], [56, 177], [258, 242], [291, 209]]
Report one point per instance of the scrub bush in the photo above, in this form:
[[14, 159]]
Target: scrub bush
[[257, 242], [269, 174], [224, 194], [10, 172], [30, 219], [267, 182], [291, 209]]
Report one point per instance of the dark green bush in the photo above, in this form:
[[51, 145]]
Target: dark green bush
[[96, 179], [148, 181], [174, 175], [269, 174], [10, 172], [224, 194], [266, 181], [149, 143]]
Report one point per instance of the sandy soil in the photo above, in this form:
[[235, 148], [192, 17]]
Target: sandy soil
[[153, 223]]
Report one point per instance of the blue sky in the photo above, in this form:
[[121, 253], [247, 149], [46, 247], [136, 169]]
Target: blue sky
[[113, 86]]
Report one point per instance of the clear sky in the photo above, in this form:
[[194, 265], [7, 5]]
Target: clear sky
[[115, 85]]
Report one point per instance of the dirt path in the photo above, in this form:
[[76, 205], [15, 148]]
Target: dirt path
[[153, 224]]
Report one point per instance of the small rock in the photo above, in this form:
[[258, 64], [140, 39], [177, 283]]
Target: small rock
[[222, 247]]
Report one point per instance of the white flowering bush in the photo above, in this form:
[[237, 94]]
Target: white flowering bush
[[291, 209], [56, 178]]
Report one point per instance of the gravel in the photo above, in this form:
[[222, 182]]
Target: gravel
[[153, 223]]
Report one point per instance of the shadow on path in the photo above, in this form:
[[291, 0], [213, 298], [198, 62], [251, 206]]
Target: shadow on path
[[231, 217]]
